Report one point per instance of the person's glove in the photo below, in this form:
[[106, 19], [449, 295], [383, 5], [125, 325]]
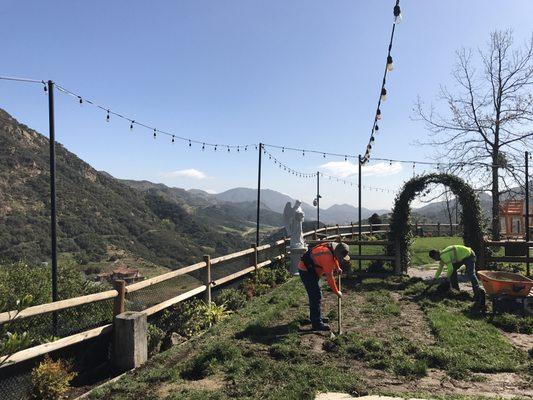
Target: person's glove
[[339, 294]]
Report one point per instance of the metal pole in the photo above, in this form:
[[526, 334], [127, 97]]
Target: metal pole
[[359, 199], [318, 200], [339, 308], [53, 214], [258, 193], [527, 210]]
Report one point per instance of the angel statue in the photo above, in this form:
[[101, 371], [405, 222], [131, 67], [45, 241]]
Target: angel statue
[[293, 217]]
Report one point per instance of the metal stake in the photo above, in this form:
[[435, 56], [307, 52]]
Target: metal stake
[[339, 308]]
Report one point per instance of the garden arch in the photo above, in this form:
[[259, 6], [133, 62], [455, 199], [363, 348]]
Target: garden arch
[[471, 217]]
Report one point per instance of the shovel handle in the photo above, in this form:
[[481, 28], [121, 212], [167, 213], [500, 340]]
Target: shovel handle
[[339, 308]]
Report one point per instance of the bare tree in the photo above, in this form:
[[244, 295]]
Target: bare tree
[[489, 119]]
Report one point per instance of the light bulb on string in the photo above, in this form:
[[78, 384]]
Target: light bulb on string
[[390, 163], [324, 155], [383, 94], [378, 114], [345, 158], [228, 149], [203, 146], [155, 133], [397, 11], [371, 140], [376, 127], [131, 125], [283, 149], [238, 150], [80, 100], [172, 138], [245, 148], [215, 147], [107, 117], [390, 65], [303, 153], [44, 87], [190, 143]]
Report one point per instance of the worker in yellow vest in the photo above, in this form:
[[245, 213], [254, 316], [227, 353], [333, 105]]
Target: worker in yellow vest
[[453, 257]]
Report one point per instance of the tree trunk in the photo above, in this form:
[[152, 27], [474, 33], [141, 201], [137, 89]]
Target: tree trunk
[[495, 197]]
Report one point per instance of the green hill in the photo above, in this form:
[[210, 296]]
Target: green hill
[[95, 211]]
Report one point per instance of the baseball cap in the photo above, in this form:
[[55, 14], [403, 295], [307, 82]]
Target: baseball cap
[[342, 251]]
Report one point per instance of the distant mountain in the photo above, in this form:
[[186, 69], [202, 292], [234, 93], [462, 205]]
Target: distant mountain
[[275, 201], [96, 212]]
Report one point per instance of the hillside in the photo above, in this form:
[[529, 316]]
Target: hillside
[[95, 211]]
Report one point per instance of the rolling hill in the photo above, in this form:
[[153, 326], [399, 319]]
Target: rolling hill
[[95, 211]]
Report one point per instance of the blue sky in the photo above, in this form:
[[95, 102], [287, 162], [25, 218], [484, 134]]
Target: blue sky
[[295, 73]]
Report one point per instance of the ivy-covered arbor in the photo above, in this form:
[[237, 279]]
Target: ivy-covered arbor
[[400, 224]]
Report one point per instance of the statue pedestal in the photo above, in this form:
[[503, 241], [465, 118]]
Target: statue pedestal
[[296, 255]]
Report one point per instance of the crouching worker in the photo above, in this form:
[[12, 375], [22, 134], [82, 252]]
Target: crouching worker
[[454, 257], [321, 260]]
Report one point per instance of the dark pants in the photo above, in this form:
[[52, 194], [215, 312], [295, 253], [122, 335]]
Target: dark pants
[[310, 281], [470, 263]]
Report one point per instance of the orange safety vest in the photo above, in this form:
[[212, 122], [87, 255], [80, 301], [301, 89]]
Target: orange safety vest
[[325, 264]]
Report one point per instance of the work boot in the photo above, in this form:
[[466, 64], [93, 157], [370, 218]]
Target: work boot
[[322, 328]]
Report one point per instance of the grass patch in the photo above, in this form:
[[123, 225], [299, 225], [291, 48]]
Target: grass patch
[[469, 344], [380, 304], [397, 354], [513, 323]]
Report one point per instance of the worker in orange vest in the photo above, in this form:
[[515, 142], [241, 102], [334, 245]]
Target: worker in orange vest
[[321, 260]]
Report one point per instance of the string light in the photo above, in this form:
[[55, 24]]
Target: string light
[[390, 65], [397, 13], [81, 100], [203, 146], [155, 133], [131, 125], [45, 88], [172, 138], [107, 117], [378, 114], [190, 143], [383, 94]]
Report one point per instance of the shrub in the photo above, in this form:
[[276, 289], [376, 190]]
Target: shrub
[[186, 318], [51, 379], [215, 313], [233, 299], [155, 338]]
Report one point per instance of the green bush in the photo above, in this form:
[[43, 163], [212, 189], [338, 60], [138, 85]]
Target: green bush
[[155, 338], [51, 379], [186, 318], [233, 299]]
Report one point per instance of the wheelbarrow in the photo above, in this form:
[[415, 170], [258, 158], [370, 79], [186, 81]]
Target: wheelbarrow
[[509, 292], [498, 283]]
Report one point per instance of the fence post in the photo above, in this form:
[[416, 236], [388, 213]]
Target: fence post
[[207, 279], [371, 229], [397, 258], [315, 236], [254, 254], [119, 303], [451, 229], [326, 231], [438, 229], [353, 231]]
